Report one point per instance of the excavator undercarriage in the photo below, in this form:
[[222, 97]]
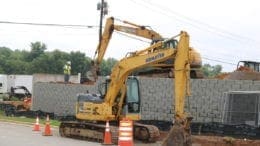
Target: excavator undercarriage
[[95, 131]]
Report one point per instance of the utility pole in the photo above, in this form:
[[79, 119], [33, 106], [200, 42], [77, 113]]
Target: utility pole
[[103, 7]]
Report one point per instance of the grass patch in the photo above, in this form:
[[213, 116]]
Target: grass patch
[[26, 120]]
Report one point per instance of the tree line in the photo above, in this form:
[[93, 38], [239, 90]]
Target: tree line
[[38, 60]]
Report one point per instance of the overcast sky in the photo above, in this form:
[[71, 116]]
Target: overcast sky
[[223, 31]]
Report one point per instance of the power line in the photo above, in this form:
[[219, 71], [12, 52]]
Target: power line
[[123, 34], [222, 58], [163, 12], [195, 23], [200, 22], [218, 61], [49, 24], [206, 58], [222, 55]]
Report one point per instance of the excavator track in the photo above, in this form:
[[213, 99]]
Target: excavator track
[[87, 131], [146, 133], [95, 131]]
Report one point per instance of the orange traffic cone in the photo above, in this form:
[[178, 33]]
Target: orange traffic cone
[[36, 125], [125, 137], [47, 131], [107, 135]]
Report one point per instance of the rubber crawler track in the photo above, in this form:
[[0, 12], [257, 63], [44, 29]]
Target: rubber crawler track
[[95, 132]]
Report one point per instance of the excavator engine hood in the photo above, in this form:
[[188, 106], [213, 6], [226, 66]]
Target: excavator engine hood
[[88, 97]]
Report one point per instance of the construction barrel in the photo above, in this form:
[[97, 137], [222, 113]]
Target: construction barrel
[[125, 137]]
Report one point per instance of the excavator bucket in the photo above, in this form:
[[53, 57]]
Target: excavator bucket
[[178, 136], [92, 74]]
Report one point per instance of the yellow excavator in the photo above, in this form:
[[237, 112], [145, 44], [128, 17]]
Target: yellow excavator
[[144, 32], [121, 97]]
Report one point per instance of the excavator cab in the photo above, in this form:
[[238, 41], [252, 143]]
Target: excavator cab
[[171, 43], [131, 102], [252, 65]]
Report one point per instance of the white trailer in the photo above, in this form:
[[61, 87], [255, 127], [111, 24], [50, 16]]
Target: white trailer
[[3, 84], [20, 80]]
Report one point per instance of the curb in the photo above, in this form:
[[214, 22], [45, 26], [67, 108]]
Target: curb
[[28, 124]]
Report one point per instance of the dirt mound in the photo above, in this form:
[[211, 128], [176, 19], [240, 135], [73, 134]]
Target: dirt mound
[[243, 75], [200, 140], [222, 141]]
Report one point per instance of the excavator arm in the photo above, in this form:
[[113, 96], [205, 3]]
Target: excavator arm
[[179, 134], [129, 28]]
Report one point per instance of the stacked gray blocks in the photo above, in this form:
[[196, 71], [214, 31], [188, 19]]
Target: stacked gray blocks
[[58, 98], [205, 103], [156, 98]]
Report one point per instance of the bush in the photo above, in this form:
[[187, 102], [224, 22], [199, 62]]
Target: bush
[[4, 97], [13, 98]]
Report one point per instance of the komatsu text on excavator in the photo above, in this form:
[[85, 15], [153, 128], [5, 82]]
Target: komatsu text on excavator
[[163, 68], [121, 98]]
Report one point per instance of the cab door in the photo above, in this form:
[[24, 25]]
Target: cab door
[[133, 103]]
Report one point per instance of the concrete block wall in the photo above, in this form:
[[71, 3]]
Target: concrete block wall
[[156, 98], [208, 97], [59, 98], [205, 103]]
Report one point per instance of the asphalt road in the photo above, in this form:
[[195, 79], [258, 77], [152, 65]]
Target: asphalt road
[[22, 135], [12, 134]]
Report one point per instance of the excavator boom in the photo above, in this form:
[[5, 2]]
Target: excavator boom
[[132, 28], [140, 31]]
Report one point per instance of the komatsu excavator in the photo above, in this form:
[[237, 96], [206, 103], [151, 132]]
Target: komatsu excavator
[[144, 32], [121, 98]]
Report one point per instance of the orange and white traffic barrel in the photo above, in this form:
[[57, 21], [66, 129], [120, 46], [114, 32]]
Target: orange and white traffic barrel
[[125, 137]]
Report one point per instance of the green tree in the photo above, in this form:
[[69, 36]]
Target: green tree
[[38, 61], [79, 63], [49, 62], [211, 71], [16, 67], [13, 62], [57, 59], [37, 48], [107, 65], [5, 54], [41, 64]]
